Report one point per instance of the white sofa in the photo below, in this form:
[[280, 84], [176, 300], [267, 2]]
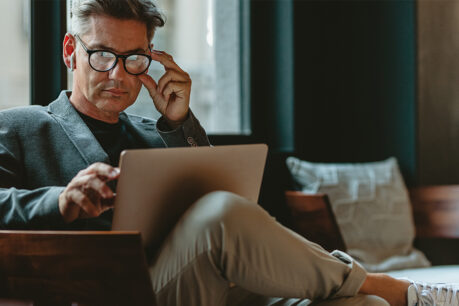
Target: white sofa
[[434, 274]]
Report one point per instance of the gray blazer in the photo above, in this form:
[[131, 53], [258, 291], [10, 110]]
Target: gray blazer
[[43, 148]]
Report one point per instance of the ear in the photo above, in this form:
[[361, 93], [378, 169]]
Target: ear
[[68, 50]]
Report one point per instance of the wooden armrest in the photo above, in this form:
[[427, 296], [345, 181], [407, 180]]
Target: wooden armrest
[[436, 211], [57, 268], [436, 217], [313, 218]]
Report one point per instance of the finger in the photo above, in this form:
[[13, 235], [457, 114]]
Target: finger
[[174, 88], [79, 198], [99, 186], [106, 204], [156, 96], [102, 170], [165, 59], [163, 54], [93, 182], [149, 84], [172, 75]]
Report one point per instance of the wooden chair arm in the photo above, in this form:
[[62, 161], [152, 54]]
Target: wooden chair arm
[[58, 268], [436, 217], [313, 218], [436, 211]]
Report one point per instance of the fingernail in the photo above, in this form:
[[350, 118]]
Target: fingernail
[[115, 172]]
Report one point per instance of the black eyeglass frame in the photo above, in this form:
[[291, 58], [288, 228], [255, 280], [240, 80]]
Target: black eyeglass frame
[[117, 56]]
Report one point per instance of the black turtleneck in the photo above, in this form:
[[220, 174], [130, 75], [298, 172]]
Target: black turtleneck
[[113, 137]]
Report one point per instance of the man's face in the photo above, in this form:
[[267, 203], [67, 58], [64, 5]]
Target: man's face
[[108, 93]]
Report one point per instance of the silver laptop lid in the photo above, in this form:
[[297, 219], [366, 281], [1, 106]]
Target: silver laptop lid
[[156, 186]]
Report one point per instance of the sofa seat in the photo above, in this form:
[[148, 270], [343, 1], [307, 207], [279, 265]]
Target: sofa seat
[[435, 274]]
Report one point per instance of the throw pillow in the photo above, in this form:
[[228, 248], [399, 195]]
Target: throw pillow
[[372, 209]]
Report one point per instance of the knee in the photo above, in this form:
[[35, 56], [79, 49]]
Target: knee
[[224, 208]]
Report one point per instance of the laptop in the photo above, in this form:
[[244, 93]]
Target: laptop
[[156, 186]]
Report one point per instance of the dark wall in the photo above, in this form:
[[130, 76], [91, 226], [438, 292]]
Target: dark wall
[[355, 81], [353, 89]]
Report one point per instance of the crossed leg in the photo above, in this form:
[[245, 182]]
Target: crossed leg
[[224, 239]]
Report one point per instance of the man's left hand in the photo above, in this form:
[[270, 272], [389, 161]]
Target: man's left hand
[[171, 95]]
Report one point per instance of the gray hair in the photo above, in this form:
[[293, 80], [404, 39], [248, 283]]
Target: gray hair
[[144, 11]]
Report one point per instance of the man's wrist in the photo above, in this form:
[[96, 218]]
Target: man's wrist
[[172, 125]]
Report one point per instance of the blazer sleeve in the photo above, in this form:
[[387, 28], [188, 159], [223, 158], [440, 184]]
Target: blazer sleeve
[[21, 208], [190, 133]]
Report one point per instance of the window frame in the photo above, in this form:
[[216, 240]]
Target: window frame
[[48, 28]]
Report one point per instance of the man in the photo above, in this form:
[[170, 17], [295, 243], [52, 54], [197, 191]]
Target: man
[[58, 164]]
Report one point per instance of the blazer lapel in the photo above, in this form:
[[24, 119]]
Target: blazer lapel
[[76, 130], [144, 129]]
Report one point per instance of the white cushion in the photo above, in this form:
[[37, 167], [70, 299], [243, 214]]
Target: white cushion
[[437, 274], [372, 208]]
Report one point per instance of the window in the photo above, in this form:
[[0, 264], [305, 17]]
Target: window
[[14, 53], [204, 38]]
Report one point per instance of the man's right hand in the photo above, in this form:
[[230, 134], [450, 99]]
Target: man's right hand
[[87, 195]]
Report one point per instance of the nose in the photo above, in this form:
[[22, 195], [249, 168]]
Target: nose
[[118, 72]]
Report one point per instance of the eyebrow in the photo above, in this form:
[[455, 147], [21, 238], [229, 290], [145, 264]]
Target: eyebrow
[[103, 47]]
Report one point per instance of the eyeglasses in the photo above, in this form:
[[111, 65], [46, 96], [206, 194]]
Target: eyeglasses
[[103, 60]]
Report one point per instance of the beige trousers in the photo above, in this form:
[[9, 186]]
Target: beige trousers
[[226, 250]]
